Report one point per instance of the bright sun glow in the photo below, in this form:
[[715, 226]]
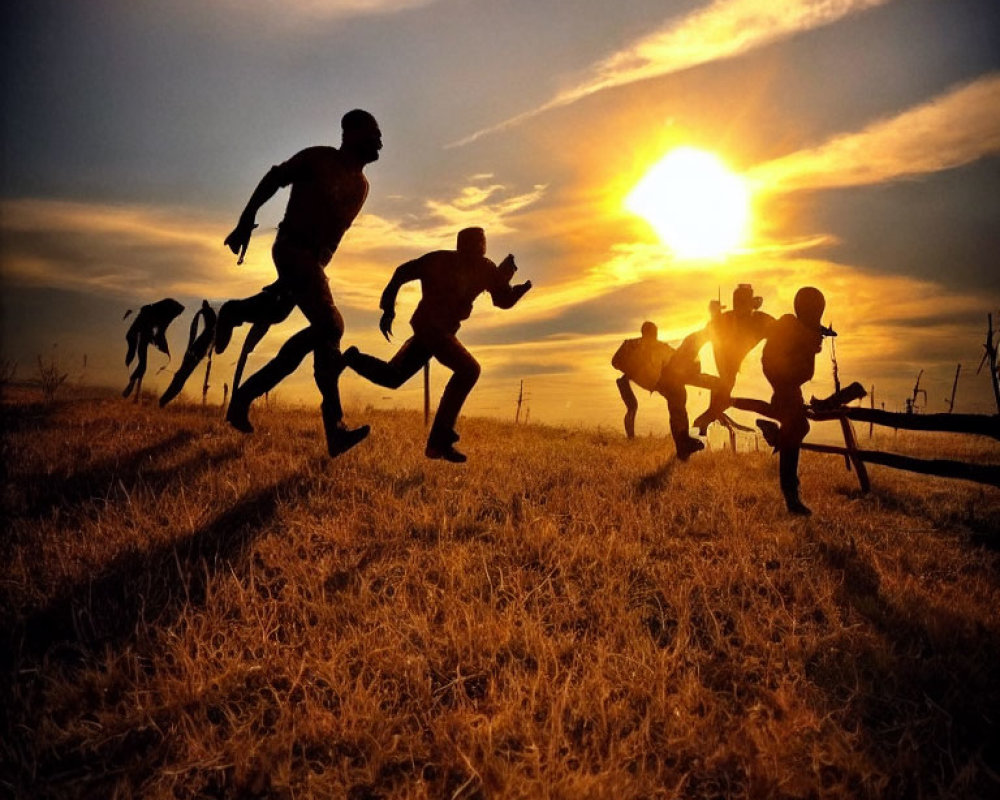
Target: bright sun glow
[[698, 207]]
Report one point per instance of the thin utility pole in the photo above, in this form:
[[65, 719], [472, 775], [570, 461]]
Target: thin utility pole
[[954, 388], [871, 425], [208, 371], [991, 356]]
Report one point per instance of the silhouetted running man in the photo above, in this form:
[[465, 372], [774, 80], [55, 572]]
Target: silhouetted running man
[[450, 281], [197, 349], [328, 190], [733, 335], [789, 360], [149, 326], [641, 361]]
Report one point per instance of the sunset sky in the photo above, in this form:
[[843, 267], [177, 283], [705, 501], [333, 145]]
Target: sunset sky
[[867, 133]]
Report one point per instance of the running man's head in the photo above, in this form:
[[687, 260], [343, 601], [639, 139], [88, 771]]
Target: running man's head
[[472, 242], [744, 301], [648, 330], [809, 305], [361, 136]]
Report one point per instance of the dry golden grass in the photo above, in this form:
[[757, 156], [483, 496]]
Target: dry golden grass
[[193, 613]]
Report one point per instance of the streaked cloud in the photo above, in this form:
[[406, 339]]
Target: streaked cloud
[[949, 131], [310, 10], [126, 251], [144, 252], [722, 29]]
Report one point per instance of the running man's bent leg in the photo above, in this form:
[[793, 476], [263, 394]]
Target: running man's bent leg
[[789, 407], [270, 306], [631, 404], [450, 352], [287, 360], [302, 275], [393, 373]]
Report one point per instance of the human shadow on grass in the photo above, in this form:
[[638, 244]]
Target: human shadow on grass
[[24, 416], [930, 680], [112, 612], [657, 480], [43, 492], [979, 517], [147, 588]]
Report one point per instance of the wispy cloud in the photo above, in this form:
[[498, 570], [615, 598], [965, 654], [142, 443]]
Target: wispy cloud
[[146, 252], [291, 10], [723, 29], [125, 251], [956, 128], [482, 202]]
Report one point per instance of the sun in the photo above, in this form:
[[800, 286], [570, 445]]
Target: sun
[[696, 205]]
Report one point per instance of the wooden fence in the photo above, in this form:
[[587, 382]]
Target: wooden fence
[[856, 458]]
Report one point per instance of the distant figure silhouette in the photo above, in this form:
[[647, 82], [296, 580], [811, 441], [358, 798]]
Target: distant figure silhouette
[[149, 326], [733, 335], [328, 190], [789, 360], [450, 281], [641, 361], [197, 349]]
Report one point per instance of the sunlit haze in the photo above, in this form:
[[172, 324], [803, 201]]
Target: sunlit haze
[[698, 207]]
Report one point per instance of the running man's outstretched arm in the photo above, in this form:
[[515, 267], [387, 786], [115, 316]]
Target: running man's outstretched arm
[[504, 295], [276, 177], [410, 271]]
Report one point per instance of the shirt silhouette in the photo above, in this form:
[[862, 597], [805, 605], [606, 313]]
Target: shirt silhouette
[[328, 189]]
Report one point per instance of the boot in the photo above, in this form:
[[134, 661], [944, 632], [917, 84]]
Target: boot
[[238, 413], [630, 424], [788, 471], [340, 438], [687, 446], [441, 445]]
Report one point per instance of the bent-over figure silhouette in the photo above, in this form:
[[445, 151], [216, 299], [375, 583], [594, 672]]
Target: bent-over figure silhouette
[[733, 335], [197, 348], [149, 326], [640, 361], [328, 189]]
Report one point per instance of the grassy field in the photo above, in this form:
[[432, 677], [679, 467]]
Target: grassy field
[[189, 612]]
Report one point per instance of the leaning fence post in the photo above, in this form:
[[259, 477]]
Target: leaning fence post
[[852, 454]]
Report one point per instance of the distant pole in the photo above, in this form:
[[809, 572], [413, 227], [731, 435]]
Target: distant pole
[[954, 387], [427, 394], [871, 425], [991, 356], [520, 398], [208, 371], [911, 403]]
